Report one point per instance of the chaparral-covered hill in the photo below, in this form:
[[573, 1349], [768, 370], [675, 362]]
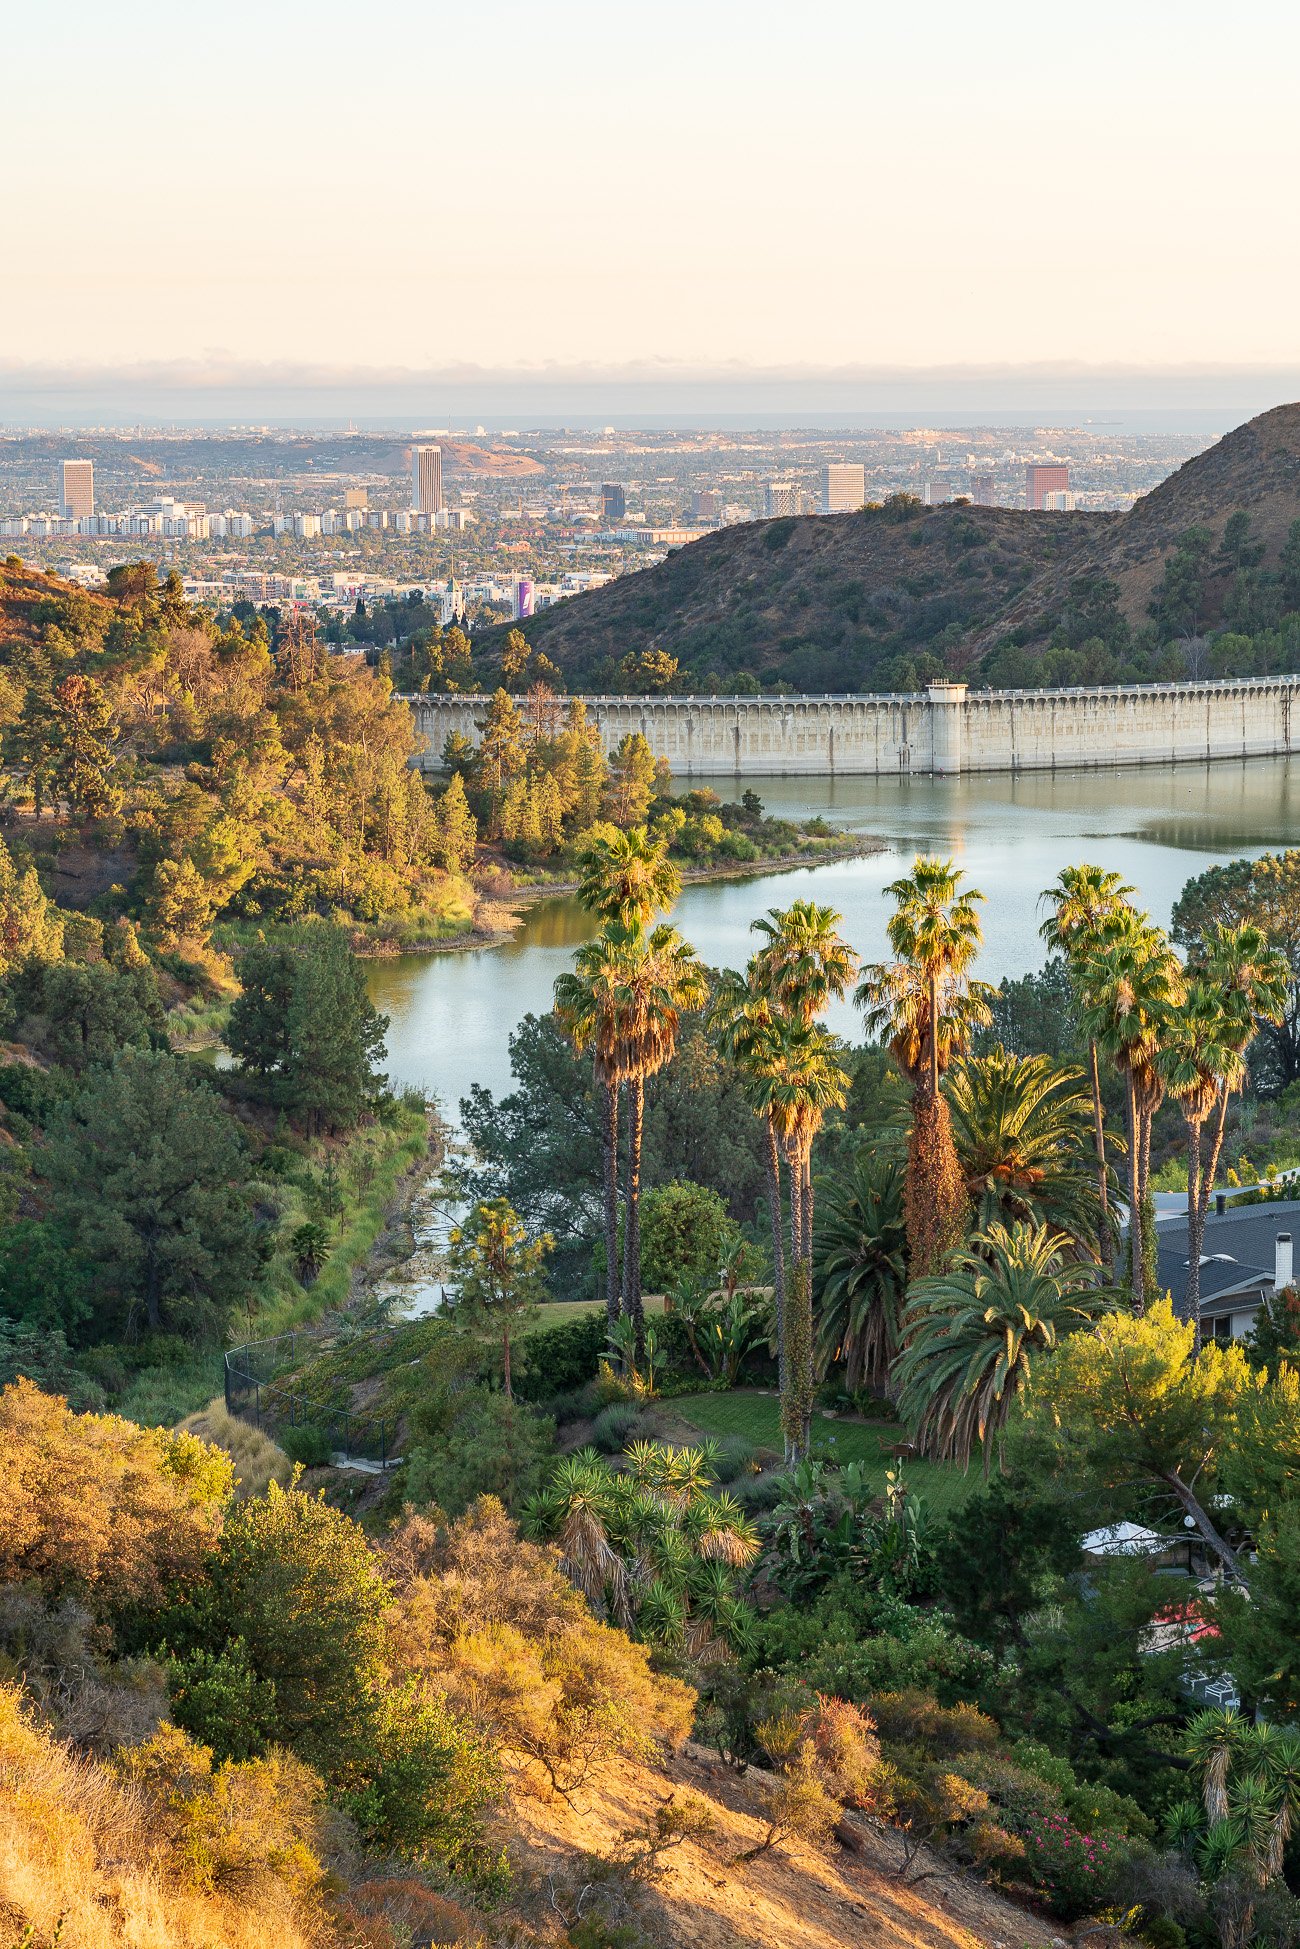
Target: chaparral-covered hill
[[888, 597]]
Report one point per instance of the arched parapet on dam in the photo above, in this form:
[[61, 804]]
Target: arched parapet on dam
[[942, 731]]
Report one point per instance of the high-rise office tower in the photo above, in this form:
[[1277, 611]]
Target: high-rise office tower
[[613, 503], [359, 497], [706, 504], [781, 497], [1043, 478], [984, 490], [426, 480], [78, 496], [844, 487]]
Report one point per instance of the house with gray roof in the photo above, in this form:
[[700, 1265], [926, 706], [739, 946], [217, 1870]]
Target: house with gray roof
[[1247, 1255]]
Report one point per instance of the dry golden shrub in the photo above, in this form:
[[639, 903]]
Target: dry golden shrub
[[257, 1461], [493, 1622], [91, 1503], [165, 1851]]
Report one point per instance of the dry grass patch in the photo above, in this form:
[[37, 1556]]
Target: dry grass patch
[[258, 1462]]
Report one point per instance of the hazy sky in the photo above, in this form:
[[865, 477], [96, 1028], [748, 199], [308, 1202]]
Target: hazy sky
[[500, 184]]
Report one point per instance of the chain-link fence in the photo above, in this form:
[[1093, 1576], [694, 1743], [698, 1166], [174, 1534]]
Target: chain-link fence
[[259, 1390]]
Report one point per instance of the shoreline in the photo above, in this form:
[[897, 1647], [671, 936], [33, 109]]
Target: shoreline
[[503, 915]]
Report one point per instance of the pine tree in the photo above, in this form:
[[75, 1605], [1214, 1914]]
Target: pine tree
[[500, 756], [457, 829], [550, 812], [335, 1036], [631, 783]]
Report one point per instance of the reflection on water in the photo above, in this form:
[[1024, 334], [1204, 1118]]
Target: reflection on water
[[451, 1014]]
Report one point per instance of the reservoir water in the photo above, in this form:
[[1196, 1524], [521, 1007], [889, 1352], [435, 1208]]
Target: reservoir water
[[451, 1014]]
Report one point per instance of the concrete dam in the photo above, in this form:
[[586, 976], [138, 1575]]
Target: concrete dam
[[941, 731]]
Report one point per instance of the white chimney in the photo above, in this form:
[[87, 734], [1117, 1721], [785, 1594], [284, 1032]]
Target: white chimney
[[1283, 1262]]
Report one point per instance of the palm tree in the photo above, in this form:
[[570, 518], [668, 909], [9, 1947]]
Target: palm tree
[[860, 1270], [927, 1005], [659, 978], [1086, 903], [587, 1008], [1202, 1066], [806, 1083], [1020, 1124], [628, 877], [971, 1335], [749, 1037], [1128, 987], [805, 964]]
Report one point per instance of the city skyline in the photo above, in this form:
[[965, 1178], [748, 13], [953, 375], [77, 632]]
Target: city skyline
[[996, 187]]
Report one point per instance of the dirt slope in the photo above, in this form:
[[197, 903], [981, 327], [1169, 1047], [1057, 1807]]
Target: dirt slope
[[791, 1898]]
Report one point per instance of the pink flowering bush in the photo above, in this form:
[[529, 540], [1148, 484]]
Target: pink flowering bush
[[1074, 1870]]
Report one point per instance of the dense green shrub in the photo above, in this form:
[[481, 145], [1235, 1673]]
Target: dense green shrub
[[308, 1443], [613, 1426], [560, 1359]]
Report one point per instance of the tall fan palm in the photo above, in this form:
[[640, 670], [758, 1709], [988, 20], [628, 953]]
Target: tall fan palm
[[1202, 1065], [972, 1333], [1088, 902], [628, 877], [927, 1005], [804, 963], [750, 1036], [1020, 1124], [860, 1270], [1128, 987], [660, 977], [1241, 982], [808, 1081], [588, 1008]]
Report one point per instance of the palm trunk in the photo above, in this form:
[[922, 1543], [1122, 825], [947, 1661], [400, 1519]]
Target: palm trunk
[[934, 1034], [1105, 1249], [805, 1294], [1137, 1273], [793, 1411], [609, 1161], [773, 1163], [632, 1213], [1191, 1306], [1211, 1170]]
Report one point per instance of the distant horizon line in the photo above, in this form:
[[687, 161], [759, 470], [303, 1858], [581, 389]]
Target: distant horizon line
[[220, 391]]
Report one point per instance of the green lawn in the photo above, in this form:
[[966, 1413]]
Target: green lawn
[[756, 1418]]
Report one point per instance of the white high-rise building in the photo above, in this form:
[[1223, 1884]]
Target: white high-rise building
[[426, 480], [844, 487], [781, 497]]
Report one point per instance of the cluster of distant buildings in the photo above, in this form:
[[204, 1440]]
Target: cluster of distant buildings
[[844, 490], [174, 520]]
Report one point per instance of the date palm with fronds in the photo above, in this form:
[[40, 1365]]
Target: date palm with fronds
[[860, 1270], [1021, 1128], [972, 1333]]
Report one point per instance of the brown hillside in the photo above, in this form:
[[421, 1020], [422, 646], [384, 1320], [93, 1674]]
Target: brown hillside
[[843, 602], [21, 590], [849, 591], [1255, 468]]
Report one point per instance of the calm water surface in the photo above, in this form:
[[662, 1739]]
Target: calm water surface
[[451, 1014]]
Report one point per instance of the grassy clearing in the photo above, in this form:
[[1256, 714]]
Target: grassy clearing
[[756, 1418]]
